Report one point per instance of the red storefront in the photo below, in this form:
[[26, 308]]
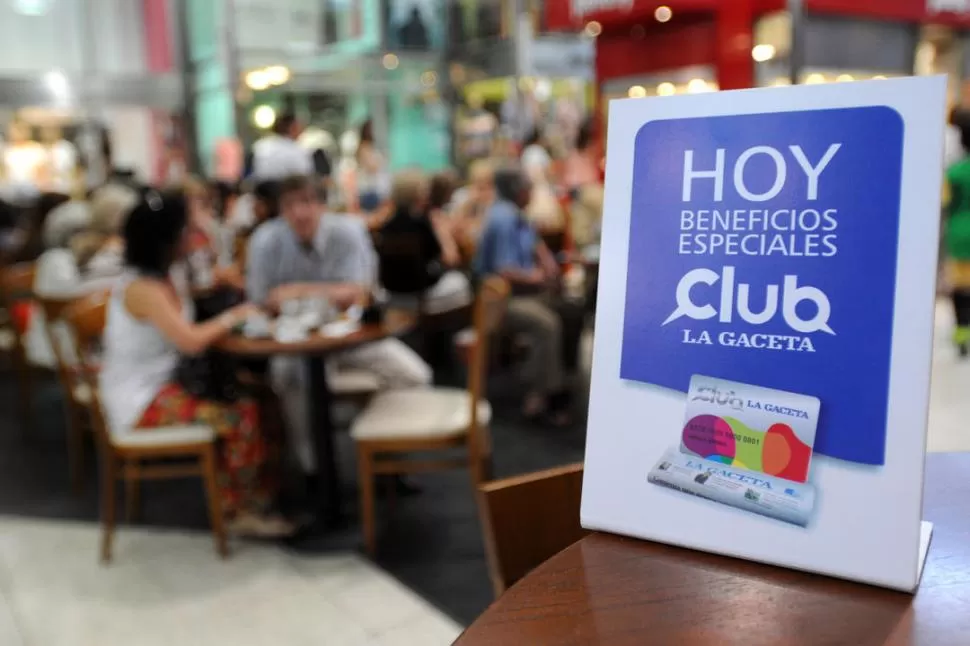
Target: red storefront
[[714, 39]]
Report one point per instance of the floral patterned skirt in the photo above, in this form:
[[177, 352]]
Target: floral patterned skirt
[[246, 457]]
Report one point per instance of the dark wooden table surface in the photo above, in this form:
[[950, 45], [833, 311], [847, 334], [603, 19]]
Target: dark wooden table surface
[[617, 591], [395, 323], [315, 349]]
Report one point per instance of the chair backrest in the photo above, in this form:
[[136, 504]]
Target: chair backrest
[[528, 519], [490, 305], [17, 281], [64, 359], [86, 318], [16, 285]]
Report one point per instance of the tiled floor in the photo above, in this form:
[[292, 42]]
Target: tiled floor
[[168, 588]]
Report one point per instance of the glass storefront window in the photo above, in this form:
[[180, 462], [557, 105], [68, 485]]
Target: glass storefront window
[[415, 25]]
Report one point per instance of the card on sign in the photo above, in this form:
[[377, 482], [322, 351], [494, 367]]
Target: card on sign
[[759, 429]]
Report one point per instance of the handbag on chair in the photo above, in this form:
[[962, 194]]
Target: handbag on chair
[[212, 375]]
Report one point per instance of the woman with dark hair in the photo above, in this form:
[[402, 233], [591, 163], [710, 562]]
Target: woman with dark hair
[[372, 179], [211, 241], [581, 167], [149, 324], [443, 187], [581, 177]]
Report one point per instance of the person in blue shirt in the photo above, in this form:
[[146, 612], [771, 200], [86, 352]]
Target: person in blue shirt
[[510, 247]]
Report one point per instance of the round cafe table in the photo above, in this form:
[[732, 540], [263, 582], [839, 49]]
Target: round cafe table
[[620, 591], [315, 348]]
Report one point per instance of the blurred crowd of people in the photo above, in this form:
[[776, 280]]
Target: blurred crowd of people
[[955, 245], [186, 266]]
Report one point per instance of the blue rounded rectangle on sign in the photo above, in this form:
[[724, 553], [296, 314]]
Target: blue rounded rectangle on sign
[[763, 250]]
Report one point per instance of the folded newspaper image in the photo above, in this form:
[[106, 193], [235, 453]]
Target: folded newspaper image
[[791, 502]]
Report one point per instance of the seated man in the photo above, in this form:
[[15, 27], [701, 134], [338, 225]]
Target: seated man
[[511, 248], [304, 254]]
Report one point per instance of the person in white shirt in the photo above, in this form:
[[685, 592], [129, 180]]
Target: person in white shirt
[[56, 276], [306, 255], [148, 327], [373, 181], [279, 154], [543, 210], [84, 254]]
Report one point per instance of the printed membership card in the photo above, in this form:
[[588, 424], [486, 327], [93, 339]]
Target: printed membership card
[[748, 427]]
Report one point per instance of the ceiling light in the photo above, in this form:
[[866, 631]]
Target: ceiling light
[[781, 82], [815, 79], [666, 89], [593, 29], [663, 13], [543, 89], [844, 78], [390, 61], [878, 77], [697, 86], [56, 82], [429, 78], [637, 92], [762, 53], [264, 116], [277, 74], [257, 80], [31, 7]]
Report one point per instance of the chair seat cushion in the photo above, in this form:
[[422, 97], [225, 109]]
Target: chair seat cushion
[[418, 413], [354, 382], [163, 436]]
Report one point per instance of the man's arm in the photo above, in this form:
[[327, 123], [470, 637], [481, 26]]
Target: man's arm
[[547, 260]]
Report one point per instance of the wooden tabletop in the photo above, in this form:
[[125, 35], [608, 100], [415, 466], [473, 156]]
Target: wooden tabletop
[[395, 323], [611, 590]]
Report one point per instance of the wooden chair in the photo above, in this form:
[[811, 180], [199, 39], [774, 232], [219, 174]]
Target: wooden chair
[[16, 286], [397, 423], [132, 455], [77, 394], [528, 519]]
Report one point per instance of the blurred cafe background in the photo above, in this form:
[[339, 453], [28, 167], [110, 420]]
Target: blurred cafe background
[[297, 296]]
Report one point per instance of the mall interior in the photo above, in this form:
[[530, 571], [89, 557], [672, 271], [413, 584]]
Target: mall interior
[[238, 478]]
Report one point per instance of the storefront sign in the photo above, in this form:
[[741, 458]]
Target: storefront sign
[[954, 13], [769, 352], [571, 14], [582, 8], [552, 57], [955, 6]]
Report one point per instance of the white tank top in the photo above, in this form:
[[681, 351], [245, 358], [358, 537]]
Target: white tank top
[[137, 361]]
